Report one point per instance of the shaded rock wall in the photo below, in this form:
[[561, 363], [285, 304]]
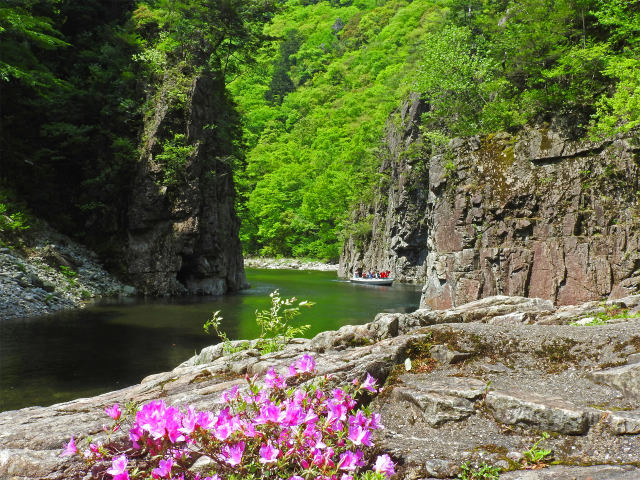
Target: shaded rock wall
[[539, 214], [184, 238]]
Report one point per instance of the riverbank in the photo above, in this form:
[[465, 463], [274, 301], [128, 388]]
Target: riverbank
[[473, 385], [289, 264], [45, 272]]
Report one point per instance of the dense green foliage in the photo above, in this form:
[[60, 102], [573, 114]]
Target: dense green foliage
[[70, 109], [81, 82], [316, 102], [314, 81]]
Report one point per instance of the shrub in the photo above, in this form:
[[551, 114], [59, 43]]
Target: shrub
[[481, 472], [12, 217], [264, 431], [275, 324]]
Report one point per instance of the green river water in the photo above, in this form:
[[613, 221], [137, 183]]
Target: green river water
[[81, 353]]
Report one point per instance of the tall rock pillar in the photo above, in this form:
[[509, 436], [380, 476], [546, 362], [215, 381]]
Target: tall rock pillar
[[183, 232]]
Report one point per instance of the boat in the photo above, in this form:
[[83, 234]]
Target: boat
[[372, 281]]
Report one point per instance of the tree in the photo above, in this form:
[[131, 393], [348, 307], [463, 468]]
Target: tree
[[27, 29]]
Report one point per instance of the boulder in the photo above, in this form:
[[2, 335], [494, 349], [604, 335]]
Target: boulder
[[539, 412], [625, 378]]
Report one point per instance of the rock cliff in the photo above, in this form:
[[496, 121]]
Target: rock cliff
[[484, 380], [543, 213], [183, 230]]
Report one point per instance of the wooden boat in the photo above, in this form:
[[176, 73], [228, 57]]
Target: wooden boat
[[372, 281]]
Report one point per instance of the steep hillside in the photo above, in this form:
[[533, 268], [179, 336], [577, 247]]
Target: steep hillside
[[315, 103]]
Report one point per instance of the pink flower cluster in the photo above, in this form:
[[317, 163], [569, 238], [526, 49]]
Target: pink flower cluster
[[301, 433]]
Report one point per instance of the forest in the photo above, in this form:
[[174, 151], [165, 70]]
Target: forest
[[309, 85]]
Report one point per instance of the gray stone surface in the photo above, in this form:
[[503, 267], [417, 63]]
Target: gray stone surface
[[444, 355], [32, 282], [518, 381], [560, 472], [625, 378], [624, 423], [436, 408], [288, 264], [184, 238], [440, 400], [538, 411]]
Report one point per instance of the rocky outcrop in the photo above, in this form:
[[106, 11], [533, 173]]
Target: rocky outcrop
[[182, 226], [440, 412], [537, 214]]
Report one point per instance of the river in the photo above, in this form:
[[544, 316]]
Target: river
[[86, 352]]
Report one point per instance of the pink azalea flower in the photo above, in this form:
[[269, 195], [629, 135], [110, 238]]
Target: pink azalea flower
[[273, 380], [222, 432], [249, 430], [339, 394], [93, 451], [189, 422], [224, 425], [374, 421], [348, 461], [163, 470], [114, 411], [292, 416], [299, 397], [70, 448], [384, 465], [232, 454], [310, 417], [305, 364], [346, 477], [205, 419], [268, 454], [296, 477], [336, 411], [359, 435], [369, 383], [268, 413], [135, 434], [159, 420], [231, 394], [119, 468], [358, 419]]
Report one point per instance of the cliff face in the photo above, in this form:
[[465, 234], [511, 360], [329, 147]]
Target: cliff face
[[539, 214], [183, 234]]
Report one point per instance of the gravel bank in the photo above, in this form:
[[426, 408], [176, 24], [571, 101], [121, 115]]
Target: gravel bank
[[49, 272], [289, 264]]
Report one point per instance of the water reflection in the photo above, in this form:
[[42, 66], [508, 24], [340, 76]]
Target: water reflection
[[113, 345]]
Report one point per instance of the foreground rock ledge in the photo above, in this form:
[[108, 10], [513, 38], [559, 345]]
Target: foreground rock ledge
[[479, 390]]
